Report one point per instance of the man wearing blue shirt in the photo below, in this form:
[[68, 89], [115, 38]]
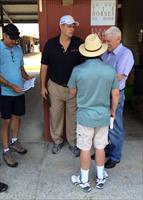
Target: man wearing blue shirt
[[12, 97], [121, 58], [93, 82]]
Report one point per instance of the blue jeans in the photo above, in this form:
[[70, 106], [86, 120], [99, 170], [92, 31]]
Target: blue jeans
[[116, 135]]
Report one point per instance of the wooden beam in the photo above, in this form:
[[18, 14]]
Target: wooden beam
[[22, 13], [23, 21], [18, 2], [5, 13]]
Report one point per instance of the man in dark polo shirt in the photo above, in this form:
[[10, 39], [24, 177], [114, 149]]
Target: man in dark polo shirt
[[59, 57]]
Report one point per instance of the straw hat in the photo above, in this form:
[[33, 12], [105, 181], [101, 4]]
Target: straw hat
[[93, 46]]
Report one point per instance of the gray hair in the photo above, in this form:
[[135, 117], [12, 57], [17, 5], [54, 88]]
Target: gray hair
[[113, 31]]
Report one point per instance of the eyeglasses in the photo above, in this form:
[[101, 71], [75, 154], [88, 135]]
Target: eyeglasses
[[12, 56]]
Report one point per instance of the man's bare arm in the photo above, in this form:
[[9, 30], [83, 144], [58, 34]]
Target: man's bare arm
[[43, 77], [115, 100], [24, 74], [6, 83]]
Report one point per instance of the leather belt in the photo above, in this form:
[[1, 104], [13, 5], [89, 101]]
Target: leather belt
[[63, 85]]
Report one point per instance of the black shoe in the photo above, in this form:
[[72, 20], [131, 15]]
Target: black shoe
[[111, 163], [107, 155], [93, 157], [57, 148], [3, 187], [74, 150]]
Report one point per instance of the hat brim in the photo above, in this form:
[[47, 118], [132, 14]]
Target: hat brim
[[76, 23], [14, 37], [99, 52]]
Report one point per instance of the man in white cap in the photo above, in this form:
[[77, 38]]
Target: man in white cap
[[59, 57], [93, 82]]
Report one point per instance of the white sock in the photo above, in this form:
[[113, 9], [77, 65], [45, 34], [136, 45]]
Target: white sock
[[14, 140], [5, 150], [84, 175], [100, 171]]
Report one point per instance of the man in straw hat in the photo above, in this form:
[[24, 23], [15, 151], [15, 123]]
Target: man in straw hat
[[93, 82]]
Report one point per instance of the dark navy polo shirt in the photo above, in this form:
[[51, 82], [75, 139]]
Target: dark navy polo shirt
[[60, 62]]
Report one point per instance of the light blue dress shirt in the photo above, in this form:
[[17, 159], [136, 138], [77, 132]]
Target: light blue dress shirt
[[122, 59]]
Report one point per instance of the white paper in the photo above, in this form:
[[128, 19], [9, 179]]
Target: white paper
[[29, 84], [111, 122]]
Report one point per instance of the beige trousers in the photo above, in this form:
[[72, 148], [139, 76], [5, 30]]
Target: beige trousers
[[63, 107]]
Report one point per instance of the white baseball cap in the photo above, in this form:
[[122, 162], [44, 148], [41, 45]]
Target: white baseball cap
[[68, 19]]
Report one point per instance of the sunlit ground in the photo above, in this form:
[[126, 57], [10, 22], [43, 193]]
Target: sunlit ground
[[32, 68], [32, 62]]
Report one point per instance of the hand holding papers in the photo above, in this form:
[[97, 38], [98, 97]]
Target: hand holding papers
[[29, 84]]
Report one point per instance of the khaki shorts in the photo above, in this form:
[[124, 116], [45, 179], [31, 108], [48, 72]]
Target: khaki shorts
[[86, 136]]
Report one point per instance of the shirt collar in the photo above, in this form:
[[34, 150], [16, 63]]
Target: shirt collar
[[117, 49], [93, 60], [58, 39]]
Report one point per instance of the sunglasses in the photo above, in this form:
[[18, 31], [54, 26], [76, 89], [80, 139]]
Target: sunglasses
[[70, 26], [12, 56]]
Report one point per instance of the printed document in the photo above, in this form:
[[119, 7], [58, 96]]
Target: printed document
[[29, 84]]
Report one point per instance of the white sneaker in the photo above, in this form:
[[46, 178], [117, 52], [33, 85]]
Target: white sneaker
[[105, 174], [76, 180], [100, 183]]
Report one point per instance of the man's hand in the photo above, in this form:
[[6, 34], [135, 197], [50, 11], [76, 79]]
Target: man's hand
[[44, 93], [25, 75], [120, 77], [112, 114], [16, 89], [72, 92]]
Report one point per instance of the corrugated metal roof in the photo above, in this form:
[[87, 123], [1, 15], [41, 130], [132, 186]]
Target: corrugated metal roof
[[20, 11]]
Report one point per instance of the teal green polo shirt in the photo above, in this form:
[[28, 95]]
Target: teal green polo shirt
[[94, 81], [11, 61]]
